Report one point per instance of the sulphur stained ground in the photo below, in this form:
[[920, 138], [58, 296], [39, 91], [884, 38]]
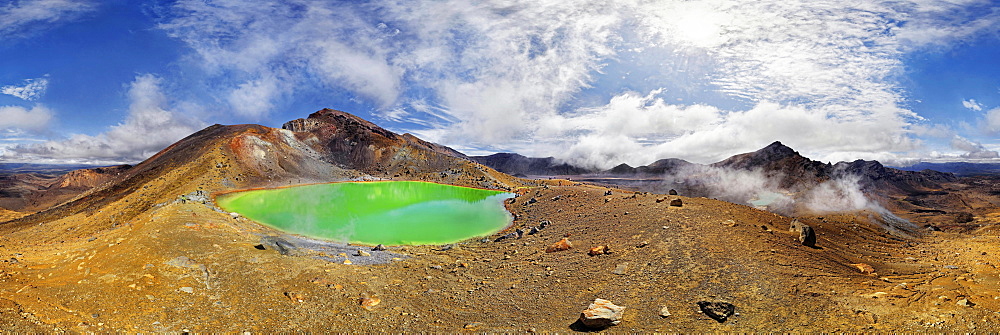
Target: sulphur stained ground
[[389, 212]]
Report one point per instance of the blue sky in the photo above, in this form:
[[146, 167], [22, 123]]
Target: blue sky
[[590, 82]]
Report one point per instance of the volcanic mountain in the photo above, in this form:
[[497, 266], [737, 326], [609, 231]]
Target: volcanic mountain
[[149, 251]]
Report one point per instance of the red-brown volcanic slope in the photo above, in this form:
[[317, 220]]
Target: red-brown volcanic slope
[[128, 256]]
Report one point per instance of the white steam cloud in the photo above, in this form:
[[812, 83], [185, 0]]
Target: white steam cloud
[[764, 190]]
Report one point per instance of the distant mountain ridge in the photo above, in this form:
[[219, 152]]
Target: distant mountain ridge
[[518, 165], [776, 160], [963, 169]]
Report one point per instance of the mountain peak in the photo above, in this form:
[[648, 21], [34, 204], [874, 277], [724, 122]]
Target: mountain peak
[[776, 150]]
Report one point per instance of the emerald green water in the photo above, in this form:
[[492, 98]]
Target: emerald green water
[[389, 212]]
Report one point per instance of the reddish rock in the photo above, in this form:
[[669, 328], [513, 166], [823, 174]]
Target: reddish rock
[[599, 250], [864, 268], [563, 244]]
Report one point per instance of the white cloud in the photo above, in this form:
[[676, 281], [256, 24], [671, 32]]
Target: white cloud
[[32, 89], [972, 104], [147, 129], [16, 117], [254, 97], [22, 18], [992, 121], [972, 149], [638, 130], [819, 75]]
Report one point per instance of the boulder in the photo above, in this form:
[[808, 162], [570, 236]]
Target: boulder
[[599, 250], [563, 244], [277, 244], [718, 311], [807, 236], [676, 202], [672, 192], [601, 314]]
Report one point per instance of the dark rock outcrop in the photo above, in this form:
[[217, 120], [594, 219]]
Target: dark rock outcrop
[[718, 311]]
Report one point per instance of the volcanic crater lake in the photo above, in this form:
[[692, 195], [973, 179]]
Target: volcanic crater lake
[[385, 212]]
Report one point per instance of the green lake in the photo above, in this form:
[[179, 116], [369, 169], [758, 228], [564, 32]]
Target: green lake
[[386, 212]]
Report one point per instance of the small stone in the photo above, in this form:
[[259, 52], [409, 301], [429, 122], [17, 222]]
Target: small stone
[[718, 311], [608, 192], [362, 253], [964, 303], [601, 314], [642, 244], [676, 203], [563, 244], [599, 250], [186, 289], [234, 215], [864, 268], [380, 247], [369, 303], [473, 325], [295, 297], [532, 200], [620, 269], [664, 312], [533, 231], [544, 224]]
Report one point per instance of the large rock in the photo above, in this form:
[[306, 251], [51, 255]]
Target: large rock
[[718, 311], [807, 236], [601, 314], [563, 244]]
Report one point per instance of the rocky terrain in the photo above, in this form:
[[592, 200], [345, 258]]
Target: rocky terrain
[[147, 250]]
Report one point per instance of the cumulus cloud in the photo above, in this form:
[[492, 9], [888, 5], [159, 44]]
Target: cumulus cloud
[[22, 18], [992, 121], [30, 91], [972, 149], [972, 104], [147, 129], [19, 118], [818, 75]]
